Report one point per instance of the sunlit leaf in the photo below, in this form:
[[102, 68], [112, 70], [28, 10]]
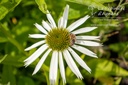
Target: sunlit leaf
[[92, 4], [3, 12], [6, 6], [104, 1], [76, 11], [42, 5], [102, 67], [118, 80]]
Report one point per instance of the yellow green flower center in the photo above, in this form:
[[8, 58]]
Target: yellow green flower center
[[58, 39]]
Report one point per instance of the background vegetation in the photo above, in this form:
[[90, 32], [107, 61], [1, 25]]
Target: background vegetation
[[17, 18]]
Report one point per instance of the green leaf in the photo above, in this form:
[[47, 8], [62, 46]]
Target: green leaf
[[92, 4], [2, 39], [10, 38], [117, 47], [25, 81], [102, 67], [75, 11], [104, 1], [117, 82], [106, 80], [3, 12], [71, 78], [16, 61], [6, 6], [8, 75], [42, 5]]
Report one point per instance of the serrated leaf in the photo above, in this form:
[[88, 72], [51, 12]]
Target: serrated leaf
[[92, 4], [42, 5], [6, 6]]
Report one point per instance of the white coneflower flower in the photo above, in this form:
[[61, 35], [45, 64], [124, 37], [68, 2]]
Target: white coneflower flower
[[62, 41]]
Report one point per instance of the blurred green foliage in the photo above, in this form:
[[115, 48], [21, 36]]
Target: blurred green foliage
[[17, 18]]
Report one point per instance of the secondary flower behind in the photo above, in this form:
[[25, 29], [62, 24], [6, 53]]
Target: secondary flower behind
[[62, 41]]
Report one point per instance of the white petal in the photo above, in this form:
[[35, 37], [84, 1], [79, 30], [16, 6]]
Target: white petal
[[62, 69], [39, 27], [53, 68], [72, 64], [35, 55], [84, 51], [35, 45], [88, 43], [88, 37], [77, 23], [79, 60], [46, 25], [40, 63], [51, 20], [60, 23], [37, 36], [84, 30], [65, 16], [49, 24]]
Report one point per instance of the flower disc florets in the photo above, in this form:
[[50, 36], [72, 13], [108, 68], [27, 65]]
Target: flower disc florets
[[58, 39]]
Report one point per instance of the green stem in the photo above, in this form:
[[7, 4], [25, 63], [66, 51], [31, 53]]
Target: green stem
[[47, 79], [45, 68], [124, 4], [122, 21], [46, 71], [3, 58], [119, 5]]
